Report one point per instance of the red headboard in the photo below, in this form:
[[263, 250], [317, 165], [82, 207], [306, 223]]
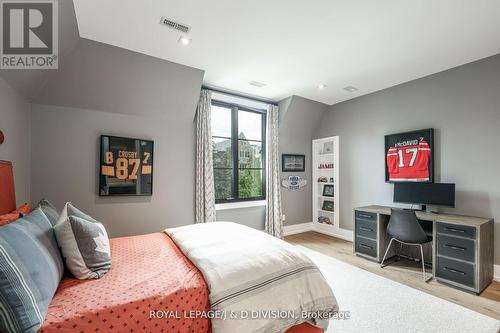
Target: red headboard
[[7, 192]]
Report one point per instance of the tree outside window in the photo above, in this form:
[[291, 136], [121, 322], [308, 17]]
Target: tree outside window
[[238, 136]]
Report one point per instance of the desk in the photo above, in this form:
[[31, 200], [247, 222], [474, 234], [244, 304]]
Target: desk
[[462, 246]]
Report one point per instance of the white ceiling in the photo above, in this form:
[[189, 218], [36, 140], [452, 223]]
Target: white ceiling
[[293, 45]]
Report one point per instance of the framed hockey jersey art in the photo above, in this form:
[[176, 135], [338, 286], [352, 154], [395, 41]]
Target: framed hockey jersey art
[[409, 157]]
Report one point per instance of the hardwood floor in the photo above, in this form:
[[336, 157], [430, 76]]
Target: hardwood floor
[[404, 272]]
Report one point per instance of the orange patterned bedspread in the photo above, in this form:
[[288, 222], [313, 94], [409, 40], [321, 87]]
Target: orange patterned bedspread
[[147, 273]]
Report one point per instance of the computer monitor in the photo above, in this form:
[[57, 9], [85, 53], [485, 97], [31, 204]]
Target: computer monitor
[[434, 194]]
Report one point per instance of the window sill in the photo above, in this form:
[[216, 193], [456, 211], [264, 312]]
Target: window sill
[[241, 204]]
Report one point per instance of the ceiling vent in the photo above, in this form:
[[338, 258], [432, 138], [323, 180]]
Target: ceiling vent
[[257, 84], [350, 89], [175, 25]]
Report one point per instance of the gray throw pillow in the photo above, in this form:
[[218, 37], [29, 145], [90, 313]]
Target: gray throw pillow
[[31, 268], [84, 243], [49, 210]]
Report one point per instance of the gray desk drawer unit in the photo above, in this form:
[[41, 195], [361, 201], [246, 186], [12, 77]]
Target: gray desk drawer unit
[[462, 254], [365, 231], [462, 248]]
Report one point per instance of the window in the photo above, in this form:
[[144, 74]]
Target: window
[[238, 137]]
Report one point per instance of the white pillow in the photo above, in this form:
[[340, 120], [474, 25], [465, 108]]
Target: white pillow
[[84, 243]]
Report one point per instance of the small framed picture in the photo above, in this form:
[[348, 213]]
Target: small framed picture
[[328, 205], [328, 190], [328, 147], [293, 163]]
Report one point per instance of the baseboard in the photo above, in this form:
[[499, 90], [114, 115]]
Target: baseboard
[[297, 228], [496, 272], [321, 228], [337, 233]]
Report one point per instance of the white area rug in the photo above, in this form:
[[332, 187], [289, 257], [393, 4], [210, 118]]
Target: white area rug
[[377, 304]]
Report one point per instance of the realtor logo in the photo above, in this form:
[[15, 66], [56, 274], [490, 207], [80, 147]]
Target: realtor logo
[[29, 34]]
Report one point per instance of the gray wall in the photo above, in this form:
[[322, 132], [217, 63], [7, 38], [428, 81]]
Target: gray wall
[[250, 216], [142, 97], [298, 120], [65, 151], [462, 104], [15, 124]]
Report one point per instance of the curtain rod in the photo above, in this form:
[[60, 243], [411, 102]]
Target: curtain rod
[[225, 92]]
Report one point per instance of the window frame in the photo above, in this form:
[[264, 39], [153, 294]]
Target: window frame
[[234, 108]]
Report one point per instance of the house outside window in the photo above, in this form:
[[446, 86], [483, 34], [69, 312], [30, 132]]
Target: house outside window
[[238, 138]]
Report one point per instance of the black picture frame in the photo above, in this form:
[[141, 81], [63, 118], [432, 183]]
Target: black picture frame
[[413, 147], [293, 163], [328, 190], [328, 205], [144, 187]]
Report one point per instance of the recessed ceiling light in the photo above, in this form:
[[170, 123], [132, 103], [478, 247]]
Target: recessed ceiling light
[[184, 40], [351, 89], [322, 86], [257, 84]]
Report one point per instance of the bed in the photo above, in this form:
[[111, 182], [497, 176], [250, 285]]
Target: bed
[[137, 283], [148, 273], [150, 283]]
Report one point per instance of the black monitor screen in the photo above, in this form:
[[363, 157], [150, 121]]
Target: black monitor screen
[[425, 194]]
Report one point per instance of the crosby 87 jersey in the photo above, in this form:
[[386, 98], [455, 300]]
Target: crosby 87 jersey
[[409, 161]]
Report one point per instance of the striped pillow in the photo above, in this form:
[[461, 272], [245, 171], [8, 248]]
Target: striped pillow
[[30, 270], [49, 210]]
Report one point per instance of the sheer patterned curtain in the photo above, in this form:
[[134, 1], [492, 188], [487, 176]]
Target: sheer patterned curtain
[[274, 223], [205, 189]]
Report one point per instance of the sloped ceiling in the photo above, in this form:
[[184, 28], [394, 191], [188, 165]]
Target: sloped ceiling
[[102, 77]]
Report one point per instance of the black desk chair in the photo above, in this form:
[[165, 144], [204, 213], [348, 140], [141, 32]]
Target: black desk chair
[[404, 228]]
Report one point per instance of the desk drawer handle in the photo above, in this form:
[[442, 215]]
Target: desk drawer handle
[[365, 229], [453, 247], [366, 246], [454, 271], [365, 216], [454, 229]]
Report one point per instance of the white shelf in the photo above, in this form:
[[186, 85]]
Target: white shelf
[[332, 174]]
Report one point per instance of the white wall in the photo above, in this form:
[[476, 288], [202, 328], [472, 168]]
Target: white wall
[[15, 124], [461, 104]]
